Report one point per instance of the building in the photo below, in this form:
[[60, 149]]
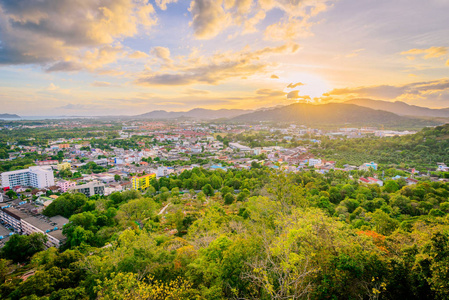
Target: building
[[239, 147], [12, 216], [64, 185], [367, 166], [375, 181], [142, 182], [47, 162], [34, 177], [4, 235], [89, 189], [51, 227], [314, 161]]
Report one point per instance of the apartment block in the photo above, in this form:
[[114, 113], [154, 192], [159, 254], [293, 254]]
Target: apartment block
[[37, 177], [142, 182]]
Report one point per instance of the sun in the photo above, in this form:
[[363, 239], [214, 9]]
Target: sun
[[308, 84]]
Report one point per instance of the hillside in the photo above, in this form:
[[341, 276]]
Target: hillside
[[400, 108], [197, 113], [422, 150], [332, 114], [9, 116]]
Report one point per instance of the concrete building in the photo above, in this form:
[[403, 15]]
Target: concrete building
[[12, 217], [239, 147], [37, 177], [142, 182], [89, 189], [64, 185], [51, 227], [314, 161]]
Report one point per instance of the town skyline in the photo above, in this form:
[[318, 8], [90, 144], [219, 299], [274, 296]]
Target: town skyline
[[130, 57]]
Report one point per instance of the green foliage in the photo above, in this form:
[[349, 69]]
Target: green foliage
[[66, 205], [20, 248]]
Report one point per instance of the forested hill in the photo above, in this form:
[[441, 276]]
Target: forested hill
[[422, 150], [250, 234], [332, 114]]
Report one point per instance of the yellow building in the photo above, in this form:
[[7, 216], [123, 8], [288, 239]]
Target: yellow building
[[142, 182], [64, 166]]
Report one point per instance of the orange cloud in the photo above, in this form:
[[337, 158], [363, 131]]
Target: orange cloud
[[432, 52]]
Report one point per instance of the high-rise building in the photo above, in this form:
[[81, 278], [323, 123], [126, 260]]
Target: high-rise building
[[37, 177]]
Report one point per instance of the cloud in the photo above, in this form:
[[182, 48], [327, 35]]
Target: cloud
[[291, 29], [427, 90], [138, 54], [296, 96], [270, 92], [162, 4], [293, 85], [197, 69], [432, 52], [195, 92], [354, 53], [52, 87], [162, 54], [101, 84], [211, 17], [73, 107], [208, 18], [63, 33], [274, 76]]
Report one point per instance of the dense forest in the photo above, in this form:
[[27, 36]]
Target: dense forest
[[421, 150], [250, 234]]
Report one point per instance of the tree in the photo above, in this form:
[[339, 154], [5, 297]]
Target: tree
[[208, 190], [11, 194], [20, 248], [66, 205], [391, 186], [229, 199], [117, 177]]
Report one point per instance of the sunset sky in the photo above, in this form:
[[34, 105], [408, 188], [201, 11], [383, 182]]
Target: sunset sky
[[110, 57]]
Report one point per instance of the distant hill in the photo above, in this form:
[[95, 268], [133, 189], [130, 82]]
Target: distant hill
[[197, 113], [332, 114], [9, 116], [401, 108]]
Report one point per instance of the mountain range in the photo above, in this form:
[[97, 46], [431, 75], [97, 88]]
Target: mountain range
[[332, 114], [196, 113], [401, 108]]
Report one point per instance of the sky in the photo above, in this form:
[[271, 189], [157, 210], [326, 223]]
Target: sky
[[128, 57]]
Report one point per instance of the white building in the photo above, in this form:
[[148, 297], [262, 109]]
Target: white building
[[239, 147], [314, 161], [37, 177]]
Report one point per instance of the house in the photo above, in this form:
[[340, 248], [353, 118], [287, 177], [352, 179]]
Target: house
[[367, 166], [375, 181], [363, 180], [411, 181]]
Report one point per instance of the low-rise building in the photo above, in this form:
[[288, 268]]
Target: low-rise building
[[65, 185], [89, 189]]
